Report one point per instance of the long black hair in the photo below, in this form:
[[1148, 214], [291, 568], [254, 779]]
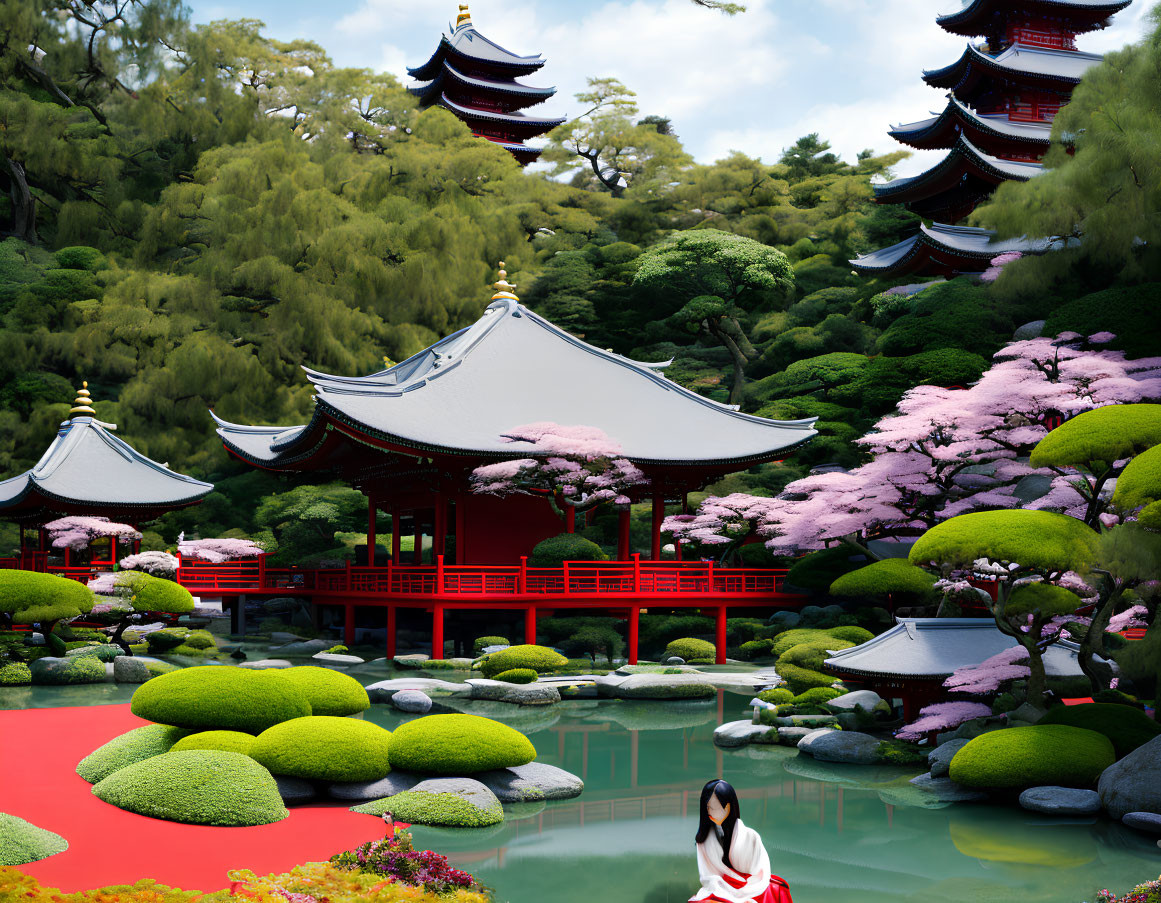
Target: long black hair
[[727, 796]]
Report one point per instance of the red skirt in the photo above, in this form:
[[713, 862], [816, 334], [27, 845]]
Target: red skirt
[[777, 892]]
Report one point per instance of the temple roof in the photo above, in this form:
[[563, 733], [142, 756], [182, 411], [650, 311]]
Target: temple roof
[[510, 368], [976, 16], [943, 130], [940, 249], [1037, 66], [89, 470], [516, 119], [431, 90], [468, 45], [932, 648]]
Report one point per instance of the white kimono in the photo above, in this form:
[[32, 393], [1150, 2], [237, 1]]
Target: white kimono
[[749, 857]]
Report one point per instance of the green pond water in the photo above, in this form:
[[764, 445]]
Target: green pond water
[[837, 833]]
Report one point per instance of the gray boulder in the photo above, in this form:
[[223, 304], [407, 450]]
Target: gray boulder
[[859, 700], [516, 694], [305, 648], [365, 791], [1144, 821], [1031, 330], [1061, 801], [939, 759], [530, 783], [337, 658], [1026, 713], [733, 734], [465, 790], [791, 736], [281, 637], [84, 669], [415, 661], [264, 664], [846, 747], [813, 721], [675, 660], [412, 701], [1132, 784], [945, 790], [432, 686], [488, 650], [128, 669], [295, 790], [786, 619]]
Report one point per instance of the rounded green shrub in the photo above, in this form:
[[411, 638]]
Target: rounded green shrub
[[219, 697], [325, 748], [22, 842], [852, 634], [230, 741], [458, 745], [104, 652], [30, 597], [166, 638], [197, 787], [483, 642], [328, 692], [540, 659], [149, 593], [812, 655], [776, 696], [752, 649], [556, 550], [518, 676], [1019, 757], [200, 639], [136, 745], [818, 695], [791, 638], [799, 679], [891, 576], [1127, 728], [691, 649], [441, 809], [17, 674]]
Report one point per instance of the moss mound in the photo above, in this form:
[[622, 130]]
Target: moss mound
[[328, 692], [441, 809], [230, 741], [789, 639], [811, 655], [197, 787], [851, 634], [136, 745], [215, 697], [556, 550], [518, 676], [22, 842], [777, 696], [818, 696], [17, 674], [1127, 728], [458, 745], [325, 748], [799, 679], [540, 659], [691, 649], [1019, 757]]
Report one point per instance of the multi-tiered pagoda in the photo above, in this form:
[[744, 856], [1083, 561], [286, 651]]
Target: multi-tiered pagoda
[[1002, 96], [475, 78]]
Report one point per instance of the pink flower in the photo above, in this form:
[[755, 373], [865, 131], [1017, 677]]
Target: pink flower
[[943, 716], [216, 551]]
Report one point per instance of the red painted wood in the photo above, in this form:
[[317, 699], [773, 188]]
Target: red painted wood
[[391, 631], [634, 631], [569, 519], [530, 625], [623, 519], [371, 537], [349, 625], [720, 635], [437, 632], [439, 540], [658, 517]]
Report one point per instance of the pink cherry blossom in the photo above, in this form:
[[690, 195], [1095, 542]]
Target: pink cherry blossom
[[943, 716], [159, 564], [989, 675], [78, 532], [217, 551]]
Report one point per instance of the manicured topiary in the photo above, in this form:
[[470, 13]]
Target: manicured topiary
[[1127, 728], [328, 692], [15, 675], [818, 695], [556, 550], [325, 748], [166, 638], [458, 745], [1045, 598], [540, 659], [156, 668], [851, 634], [197, 787], [135, 746], [1042, 540], [799, 679], [883, 579], [791, 638], [103, 651], [230, 741], [691, 649], [483, 642], [22, 842], [82, 669], [811, 655], [219, 697], [1140, 482], [29, 597], [752, 649], [517, 676], [1111, 433], [1035, 756], [776, 696], [200, 639], [423, 808]]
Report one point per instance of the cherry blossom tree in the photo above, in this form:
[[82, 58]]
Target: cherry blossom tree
[[730, 521], [159, 564], [990, 675], [217, 551], [76, 532], [943, 716]]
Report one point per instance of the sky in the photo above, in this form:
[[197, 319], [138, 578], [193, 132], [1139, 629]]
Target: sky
[[755, 82]]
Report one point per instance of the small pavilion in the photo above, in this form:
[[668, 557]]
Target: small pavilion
[[89, 471]]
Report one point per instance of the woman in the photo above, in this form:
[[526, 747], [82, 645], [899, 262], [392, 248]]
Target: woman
[[731, 859]]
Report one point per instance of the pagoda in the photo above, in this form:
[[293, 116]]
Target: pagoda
[[1002, 95], [475, 78]]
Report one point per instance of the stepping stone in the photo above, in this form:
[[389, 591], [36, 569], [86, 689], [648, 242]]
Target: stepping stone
[[531, 782], [742, 733], [939, 759], [412, 701], [946, 790], [335, 658], [432, 686], [1144, 821], [1061, 801], [517, 694], [266, 664], [845, 747], [365, 791]]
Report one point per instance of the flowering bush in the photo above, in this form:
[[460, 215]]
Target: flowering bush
[[159, 564], [1149, 892], [943, 716], [216, 551], [397, 860], [76, 532]]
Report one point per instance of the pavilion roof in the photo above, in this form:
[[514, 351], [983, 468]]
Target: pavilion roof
[[515, 119], [941, 249], [975, 17], [463, 394], [465, 43], [943, 129], [87, 469], [932, 648], [431, 90], [1019, 63]]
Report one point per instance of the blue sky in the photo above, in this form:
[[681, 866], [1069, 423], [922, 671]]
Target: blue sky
[[754, 82]]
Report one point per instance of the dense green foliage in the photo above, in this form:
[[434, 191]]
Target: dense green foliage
[[540, 659], [457, 745], [135, 746], [1037, 539], [28, 597], [325, 748], [777, 695], [230, 741], [328, 692], [1019, 757], [1140, 482], [210, 698], [198, 787], [883, 579], [556, 550], [691, 649], [15, 674], [1126, 727], [424, 808], [22, 841], [148, 593], [518, 676], [1105, 434], [483, 642]]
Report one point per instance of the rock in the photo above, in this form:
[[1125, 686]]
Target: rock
[[295, 790], [791, 736], [128, 669], [488, 650], [733, 734], [517, 694], [84, 669], [675, 660], [811, 613], [1131, 785], [531, 782], [846, 747], [303, 648], [265, 663], [1026, 713], [665, 686], [36, 639], [1061, 801], [1032, 487], [969, 730], [469, 790], [939, 759], [1143, 821], [806, 720], [413, 701], [432, 686], [281, 638], [859, 700], [365, 791], [785, 619], [1030, 330], [335, 658], [850, 721], [946, 790], [417, 660]]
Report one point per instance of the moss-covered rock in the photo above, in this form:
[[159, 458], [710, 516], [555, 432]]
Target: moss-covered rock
[[84, 669], [1127, 728], [449, 802], [328, 692], [458, 745], [776, 696], [230, 741], [1040, 755], [134, 746], [691, 649], [540, 659], [818, 695], [799, 679], [325, 748], [517, 676], [216, 697], [22, 842], [197, 787], [787, 640]]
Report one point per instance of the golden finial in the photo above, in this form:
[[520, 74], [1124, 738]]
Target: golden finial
[[82, 404], [505, 291], [465, 17]]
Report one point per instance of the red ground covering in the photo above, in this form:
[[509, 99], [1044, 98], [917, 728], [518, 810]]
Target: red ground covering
[[39, 751]]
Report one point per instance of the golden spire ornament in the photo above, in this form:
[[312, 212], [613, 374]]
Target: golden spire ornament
[[505, 291], [83, 403]]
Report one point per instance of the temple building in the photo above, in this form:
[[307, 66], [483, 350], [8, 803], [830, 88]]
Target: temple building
[[89, 471], [996, 126], [476, 79]]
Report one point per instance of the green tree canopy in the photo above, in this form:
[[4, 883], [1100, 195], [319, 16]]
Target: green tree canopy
[[884, 578], [1140, 483], [1036, 540]]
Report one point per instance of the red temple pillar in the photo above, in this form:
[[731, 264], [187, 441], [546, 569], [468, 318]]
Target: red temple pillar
[[417, 553], [371, 537], [623, 518], [437, 632], [530, 625], [348, 625], [658, 517], [720, 635], [396, 538], [391, 631], [634, 625], [439, 531], [569, 518]]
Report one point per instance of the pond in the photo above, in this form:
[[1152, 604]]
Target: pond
[[832, 831]]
